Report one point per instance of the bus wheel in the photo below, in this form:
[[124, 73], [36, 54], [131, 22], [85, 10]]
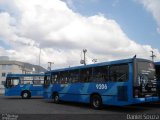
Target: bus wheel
[[56, 98], [26, 95], [96, 102]]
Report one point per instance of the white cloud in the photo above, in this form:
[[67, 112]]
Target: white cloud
[[153, 7], [62, 34]]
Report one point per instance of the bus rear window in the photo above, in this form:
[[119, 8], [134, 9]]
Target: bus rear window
[[147, 69]]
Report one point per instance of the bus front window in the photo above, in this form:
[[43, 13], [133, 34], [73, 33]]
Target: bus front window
[[10, 82], [15, 82]]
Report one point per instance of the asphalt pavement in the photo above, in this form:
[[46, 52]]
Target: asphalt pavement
[[43, 109]]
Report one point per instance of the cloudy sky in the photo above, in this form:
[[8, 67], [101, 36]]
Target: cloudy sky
[[61, 29]]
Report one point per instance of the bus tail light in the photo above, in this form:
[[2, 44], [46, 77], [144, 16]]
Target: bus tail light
[[136, 93]]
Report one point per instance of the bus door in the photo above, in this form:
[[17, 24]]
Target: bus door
[[38, 82], [47, 80], [69, 85], [145, 84]]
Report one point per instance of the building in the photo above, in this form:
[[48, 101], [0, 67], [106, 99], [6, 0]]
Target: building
[[7, 66]]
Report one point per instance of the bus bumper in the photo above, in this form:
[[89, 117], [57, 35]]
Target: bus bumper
[[147, 99]]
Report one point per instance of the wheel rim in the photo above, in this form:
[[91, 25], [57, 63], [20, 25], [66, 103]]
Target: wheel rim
[[25, 95], [96, 102], [56, 98]]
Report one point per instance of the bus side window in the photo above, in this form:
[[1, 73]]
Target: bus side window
[[123, 72], [58, 78], [54, 78], [38, 80], [21, 80], [74, 76], [48, 79], [100, 74], [69, 77], [64, 77], [113, 73], [42, 80], [119, 73], [85, 75], [51, 79]]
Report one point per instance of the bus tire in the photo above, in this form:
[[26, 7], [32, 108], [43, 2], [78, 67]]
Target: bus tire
[[96, 102], [56, 98], [26, 95]]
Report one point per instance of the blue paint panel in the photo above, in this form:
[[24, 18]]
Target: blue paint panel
[[80, 92], [16, 91]]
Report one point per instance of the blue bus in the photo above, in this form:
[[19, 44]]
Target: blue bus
[[119, 83], [157, 65], [24, 85]]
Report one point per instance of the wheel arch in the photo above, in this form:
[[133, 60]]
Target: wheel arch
[[54, 92], [93, 97], [95, 93]]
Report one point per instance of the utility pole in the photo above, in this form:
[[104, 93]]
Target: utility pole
[[50, 65], [84, 52], [152, 56], [39, 60]]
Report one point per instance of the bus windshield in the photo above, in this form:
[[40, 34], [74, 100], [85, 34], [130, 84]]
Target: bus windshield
[[10, 82]]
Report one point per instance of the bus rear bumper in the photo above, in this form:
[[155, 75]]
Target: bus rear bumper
[[147, 99]]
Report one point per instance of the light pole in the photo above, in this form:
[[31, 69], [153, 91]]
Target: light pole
[[152, 56], [50, 65], [39, 60], [84, 51]]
